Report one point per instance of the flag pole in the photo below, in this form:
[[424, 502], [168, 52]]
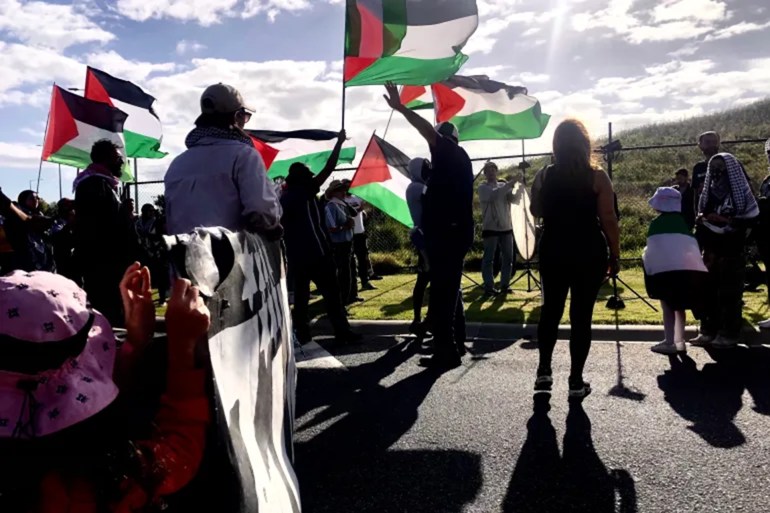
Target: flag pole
[[45, 136], [344, 52], [60, 193], [136, 185]]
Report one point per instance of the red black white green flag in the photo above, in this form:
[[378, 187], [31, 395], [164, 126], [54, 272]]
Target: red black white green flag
[[143, 131], [75, 123], [406, 41], [481, 108], [382, 178]]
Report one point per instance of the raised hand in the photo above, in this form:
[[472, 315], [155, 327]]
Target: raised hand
[[136, 292], [393, 97], [187, 321]]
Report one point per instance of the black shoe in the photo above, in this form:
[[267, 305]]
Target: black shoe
[[442, 361], [579, 390], [418, 329], [461, 349], [375, 277], [491, 293], [368, 286]]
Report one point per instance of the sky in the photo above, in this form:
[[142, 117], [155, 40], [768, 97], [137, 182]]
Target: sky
[[631, 62]]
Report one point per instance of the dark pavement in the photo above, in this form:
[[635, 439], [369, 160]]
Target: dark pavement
[[381, 434]]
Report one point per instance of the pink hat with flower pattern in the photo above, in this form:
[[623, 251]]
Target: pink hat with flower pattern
[[56, 356]]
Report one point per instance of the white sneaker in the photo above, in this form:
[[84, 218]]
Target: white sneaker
[[724, 343], [702, 340], [669, 348], [764, 325]]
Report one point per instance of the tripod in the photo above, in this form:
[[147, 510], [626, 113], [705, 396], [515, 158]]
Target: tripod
[[523, 165], [615, 302]]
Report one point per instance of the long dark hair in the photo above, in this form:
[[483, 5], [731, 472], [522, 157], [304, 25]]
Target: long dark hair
[[573, 153]]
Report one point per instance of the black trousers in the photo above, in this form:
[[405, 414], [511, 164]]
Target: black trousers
[[361, 252], [763, 245], [343, 258], [563, 270], [446, 255], [323, 273]]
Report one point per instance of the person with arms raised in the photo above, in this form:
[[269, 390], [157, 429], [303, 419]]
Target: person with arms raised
[[447, 221], [308, 250], [496, 198]]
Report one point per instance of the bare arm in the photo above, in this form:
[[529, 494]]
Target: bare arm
[[420, 123], [607, 215], [331, 164]]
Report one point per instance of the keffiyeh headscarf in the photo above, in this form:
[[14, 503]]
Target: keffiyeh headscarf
[[737, 193]]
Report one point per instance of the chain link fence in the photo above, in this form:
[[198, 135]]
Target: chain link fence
[[636, 173]]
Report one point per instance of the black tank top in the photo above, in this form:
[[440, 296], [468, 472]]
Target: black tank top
[[570, 212]]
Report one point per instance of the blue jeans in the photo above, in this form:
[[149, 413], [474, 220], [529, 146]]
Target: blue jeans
[[490, 247]]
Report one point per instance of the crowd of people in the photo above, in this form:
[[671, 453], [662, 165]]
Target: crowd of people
[[56, 342]]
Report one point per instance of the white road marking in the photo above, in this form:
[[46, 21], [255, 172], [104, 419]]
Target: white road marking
[[313, 356]]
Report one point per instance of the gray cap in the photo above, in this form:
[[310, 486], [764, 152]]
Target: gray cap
[[222, 99], [447, 129]]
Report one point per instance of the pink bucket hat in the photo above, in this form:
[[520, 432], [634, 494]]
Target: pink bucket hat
[[56, 356]]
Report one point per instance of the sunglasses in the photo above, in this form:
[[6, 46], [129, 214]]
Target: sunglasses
[[246, 115]]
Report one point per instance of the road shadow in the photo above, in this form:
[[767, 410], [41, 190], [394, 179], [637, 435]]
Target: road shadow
[[350, 466], [711, 397], [577, 481]]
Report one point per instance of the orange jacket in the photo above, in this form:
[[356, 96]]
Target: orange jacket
[[179, 442]]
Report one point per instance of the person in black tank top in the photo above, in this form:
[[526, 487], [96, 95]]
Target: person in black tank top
[[576, 203]]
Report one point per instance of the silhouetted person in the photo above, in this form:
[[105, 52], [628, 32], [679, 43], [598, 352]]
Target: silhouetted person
[[308, 251], [686, 190], [105, 240], [63, 237], [577, 204], [726, 210], [32, 249], [448, 225]]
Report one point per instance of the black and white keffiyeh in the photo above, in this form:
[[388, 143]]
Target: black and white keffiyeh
[[738, 192]]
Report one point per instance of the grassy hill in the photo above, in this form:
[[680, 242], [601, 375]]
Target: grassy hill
[[636, 174]]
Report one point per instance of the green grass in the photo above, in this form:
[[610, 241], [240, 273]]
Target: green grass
[[393, 301]]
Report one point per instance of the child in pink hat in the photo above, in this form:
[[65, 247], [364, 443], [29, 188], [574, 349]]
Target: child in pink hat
[[61, 371]]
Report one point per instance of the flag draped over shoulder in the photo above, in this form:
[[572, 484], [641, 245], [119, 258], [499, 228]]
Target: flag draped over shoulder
[[310, 147], [143, 131], [382, 178], [483, 109], [416, 42], [673, 266], [75, 123]]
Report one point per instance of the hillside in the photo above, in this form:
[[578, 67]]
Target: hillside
[[654, 166], [636, 173]]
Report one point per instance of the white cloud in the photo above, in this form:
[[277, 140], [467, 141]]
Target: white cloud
[[533, 78], [209, 12], [185, 47], [703, 10], [743, 27], [48, 25]]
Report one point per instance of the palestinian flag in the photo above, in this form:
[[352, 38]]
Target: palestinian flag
[[673, 266], [143, 132], [382, 178], [310, 147], [417, 97], [415, 42], [484, 109], [75, 124]]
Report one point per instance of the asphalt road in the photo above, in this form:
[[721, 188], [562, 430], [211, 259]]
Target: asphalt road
[[377, 433]]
